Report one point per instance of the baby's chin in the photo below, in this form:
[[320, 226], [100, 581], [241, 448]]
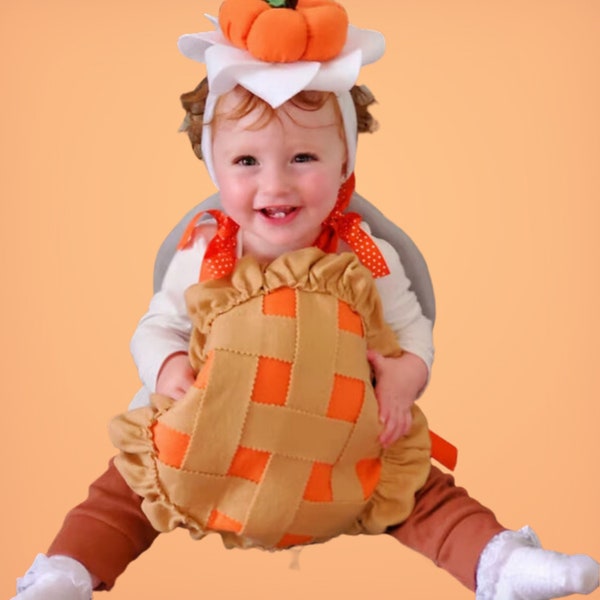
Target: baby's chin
[[280, 241]]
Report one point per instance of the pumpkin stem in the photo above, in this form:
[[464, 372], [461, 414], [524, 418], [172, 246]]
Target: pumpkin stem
[[282, 3]]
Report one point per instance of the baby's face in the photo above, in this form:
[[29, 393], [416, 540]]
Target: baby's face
[[278, 181]]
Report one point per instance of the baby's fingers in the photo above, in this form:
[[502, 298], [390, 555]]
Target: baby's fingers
[[395, 427], [390, 433], [407, 421], [386, 438]]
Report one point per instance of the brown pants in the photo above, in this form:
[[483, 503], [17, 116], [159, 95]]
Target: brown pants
[[109, 530]]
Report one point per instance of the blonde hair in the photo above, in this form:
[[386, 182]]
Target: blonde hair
[[194, 103]]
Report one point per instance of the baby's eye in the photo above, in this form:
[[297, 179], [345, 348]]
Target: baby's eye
[[304, 157], [246, 161]]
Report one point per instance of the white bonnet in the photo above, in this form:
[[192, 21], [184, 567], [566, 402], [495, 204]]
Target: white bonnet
[[276, 83]]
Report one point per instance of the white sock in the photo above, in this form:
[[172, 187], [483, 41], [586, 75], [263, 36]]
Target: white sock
[[513, 566], [55, 578]]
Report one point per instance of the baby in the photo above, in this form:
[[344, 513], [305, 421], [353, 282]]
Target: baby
[[282, 159]]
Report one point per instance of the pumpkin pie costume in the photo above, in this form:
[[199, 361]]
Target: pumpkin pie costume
[[276, 443]]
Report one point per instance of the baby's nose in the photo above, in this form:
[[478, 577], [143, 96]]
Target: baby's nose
[[276, 181]]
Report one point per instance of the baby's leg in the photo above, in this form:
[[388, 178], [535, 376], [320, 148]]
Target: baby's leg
[[449, 527], [104, 534], [107, 531], [463, 537]]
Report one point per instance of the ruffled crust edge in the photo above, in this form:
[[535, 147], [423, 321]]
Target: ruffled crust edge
[[310, 269], [342, 276], [131, 433], [407, 461]]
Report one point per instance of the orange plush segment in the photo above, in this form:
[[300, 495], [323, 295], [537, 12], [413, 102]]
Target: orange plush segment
[[313, 30], [171, 445], [319, 488], [327, 26], [236, 18], [348, 320], [280, 303], [347, 398], [272, 381], [249, 464], [368, 471], [221, 522], [290, 539], [202, 378], [279, 35]]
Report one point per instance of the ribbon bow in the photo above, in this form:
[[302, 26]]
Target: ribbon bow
[[221, 252], [341, 225]]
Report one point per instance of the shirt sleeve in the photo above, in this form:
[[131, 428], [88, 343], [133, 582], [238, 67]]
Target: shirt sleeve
[[401, 308], [165, 328]]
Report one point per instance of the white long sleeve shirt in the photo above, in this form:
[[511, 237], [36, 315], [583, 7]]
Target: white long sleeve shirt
[[165, 329]]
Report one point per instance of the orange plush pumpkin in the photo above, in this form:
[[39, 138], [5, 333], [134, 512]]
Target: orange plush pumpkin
[[285, 30]]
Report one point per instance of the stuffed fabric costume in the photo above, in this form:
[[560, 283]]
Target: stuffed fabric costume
[[276, 442]]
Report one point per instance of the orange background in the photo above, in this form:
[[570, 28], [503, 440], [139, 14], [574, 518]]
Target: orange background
[[488, 156]]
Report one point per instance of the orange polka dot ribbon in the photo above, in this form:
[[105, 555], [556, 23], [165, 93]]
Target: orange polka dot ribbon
[[220, 257], [345, 226]]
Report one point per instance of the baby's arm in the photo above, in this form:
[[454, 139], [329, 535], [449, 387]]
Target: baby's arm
[[160, 343], [400, 381]]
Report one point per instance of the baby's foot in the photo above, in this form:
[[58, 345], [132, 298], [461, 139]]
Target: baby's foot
[[55, 578], [513, 566]]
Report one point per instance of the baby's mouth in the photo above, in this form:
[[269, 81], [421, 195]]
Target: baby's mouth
[[278, 212]]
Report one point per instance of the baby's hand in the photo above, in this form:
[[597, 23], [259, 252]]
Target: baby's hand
[[175, 376], [398, 382]]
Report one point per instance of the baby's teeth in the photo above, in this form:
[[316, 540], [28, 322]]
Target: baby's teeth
[[277, 213]]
